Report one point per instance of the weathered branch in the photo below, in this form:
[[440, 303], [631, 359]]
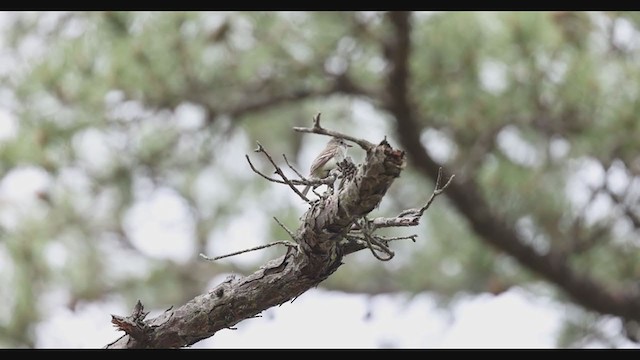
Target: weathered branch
[[133, 324], [318, 254], [409, 217]]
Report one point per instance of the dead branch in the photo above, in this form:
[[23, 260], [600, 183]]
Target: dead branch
[[409, 217], [324, 236], [285, 228], [292, 168], [317, 129], [280, 172], [291, 182], [373, 243], [286, 243]]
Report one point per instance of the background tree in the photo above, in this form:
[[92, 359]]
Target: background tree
[[535, 113]]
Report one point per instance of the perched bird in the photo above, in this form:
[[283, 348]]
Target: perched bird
[[327, 160]]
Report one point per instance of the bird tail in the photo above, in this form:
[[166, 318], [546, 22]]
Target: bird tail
[[306, 190]]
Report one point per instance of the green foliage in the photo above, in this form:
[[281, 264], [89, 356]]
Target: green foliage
[[123, 104]]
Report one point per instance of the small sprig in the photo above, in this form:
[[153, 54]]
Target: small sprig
[[282, 242], [317, 129], [409, 217]]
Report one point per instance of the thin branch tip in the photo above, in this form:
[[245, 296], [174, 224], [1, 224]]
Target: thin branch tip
[[291, 167], [286, 243], [289, 232], [316, 121], [278, 171]]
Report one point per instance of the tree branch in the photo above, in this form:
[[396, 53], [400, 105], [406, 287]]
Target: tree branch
[[410, 217], [317, 129], [468, 200], [318, 255], [341, 83]]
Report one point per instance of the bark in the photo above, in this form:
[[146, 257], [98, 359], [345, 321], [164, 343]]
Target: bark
[[468, 200], [321, 249]]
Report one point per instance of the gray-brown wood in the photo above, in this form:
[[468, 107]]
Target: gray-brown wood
[[318, 255]]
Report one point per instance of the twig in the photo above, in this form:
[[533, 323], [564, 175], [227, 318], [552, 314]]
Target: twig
[[363, 241], [263, 175], [324, 181], [283, 242], [381, 238], [384, 222], [279, 172], [409, 217], [437, 191], [292, 168], [373, 241], [410, 237], [317, 129], [285, 229], [367, 231]]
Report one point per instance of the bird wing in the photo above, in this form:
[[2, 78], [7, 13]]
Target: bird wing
[[320, 161]]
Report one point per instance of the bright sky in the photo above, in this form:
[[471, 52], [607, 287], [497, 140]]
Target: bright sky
[[346, 321], [322, 319]]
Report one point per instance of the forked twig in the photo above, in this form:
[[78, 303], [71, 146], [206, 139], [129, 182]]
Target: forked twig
[[263, 175], [279, 172], [409, 217], [437, 191]]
